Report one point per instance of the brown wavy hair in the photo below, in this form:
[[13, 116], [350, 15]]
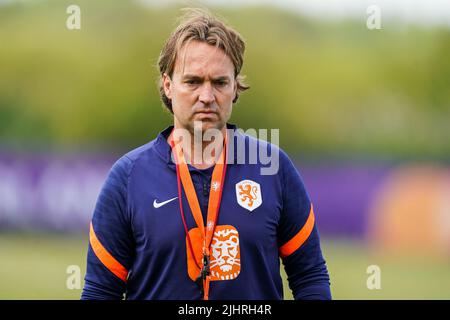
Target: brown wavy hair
[[201, 25]]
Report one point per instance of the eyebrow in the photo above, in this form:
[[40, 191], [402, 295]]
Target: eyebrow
[[191, 76]]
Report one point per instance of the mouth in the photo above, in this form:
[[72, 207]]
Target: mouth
[[206, 113]]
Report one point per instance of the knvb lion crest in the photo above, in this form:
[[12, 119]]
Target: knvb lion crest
[[225, 254], [248, 194]]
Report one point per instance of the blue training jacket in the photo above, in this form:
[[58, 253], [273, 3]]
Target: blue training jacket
[[138, 247]]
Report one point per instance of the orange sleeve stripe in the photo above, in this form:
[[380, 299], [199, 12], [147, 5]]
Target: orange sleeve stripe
[[106, 258], [296, 242]]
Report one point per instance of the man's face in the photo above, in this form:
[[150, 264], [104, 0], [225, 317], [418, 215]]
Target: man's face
[[202, 87]]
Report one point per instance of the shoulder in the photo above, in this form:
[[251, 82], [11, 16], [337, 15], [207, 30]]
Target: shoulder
[[127, 162], [141, 151]]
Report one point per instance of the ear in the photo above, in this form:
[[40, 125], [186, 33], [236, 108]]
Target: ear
[[167, 85], [235, 90]]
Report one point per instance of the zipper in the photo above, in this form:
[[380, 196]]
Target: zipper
[[205, 189]]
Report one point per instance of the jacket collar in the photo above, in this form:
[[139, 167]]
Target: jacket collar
[[165, 151]]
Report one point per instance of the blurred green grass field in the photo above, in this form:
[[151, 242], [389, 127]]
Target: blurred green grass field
[[33, 266]]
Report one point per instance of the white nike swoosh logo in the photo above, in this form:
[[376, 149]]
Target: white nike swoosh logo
[[160, 204]]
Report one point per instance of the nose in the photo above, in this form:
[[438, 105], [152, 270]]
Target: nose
[[206, 93]]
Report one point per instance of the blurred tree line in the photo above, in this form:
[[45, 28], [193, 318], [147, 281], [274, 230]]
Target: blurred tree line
[[333, 88]]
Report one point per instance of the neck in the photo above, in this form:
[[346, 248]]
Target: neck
[[200, 153]]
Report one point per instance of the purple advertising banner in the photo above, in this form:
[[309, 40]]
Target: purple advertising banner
[[59, 192], [55, 193], [341, 195]]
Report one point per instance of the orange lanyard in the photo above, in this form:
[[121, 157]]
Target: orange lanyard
[[215, 197]]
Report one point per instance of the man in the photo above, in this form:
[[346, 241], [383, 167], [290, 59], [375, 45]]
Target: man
[[170, 224]]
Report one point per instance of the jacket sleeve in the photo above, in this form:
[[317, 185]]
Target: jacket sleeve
[[111, 244], [298, 238]]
